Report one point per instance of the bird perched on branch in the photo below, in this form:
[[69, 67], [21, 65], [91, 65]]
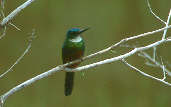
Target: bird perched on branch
[[73, 48]]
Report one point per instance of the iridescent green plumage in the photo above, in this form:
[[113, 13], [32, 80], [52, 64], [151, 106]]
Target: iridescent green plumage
[[72, 49]]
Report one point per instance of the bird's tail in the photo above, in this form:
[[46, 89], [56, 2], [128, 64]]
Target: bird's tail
[[69, 82]]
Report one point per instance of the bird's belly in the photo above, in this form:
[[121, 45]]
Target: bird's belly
[[72, 54]]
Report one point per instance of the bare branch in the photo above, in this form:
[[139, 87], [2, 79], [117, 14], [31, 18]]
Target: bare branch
[[150, 64], [2, 3], [106, 61], [32, 80], [164, 71], [62, 67], [15, 26], [19, 59], [145, 74], [15, 12], [110, 60], [154, 53], [11, 16], [155, 62], [2, 13], [4, 27], [3, 32], [166, 23], [165, 31], [157, 17], [125, 40], [1, 101]]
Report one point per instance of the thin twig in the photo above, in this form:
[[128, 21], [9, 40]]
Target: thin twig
[[19, 59], [154, 53], [145, 74], [157, 17], [3, 27], [14, 26], [2, 13], [2, 4], [163, 69], [3, 32], [144, 54], [1, 101]]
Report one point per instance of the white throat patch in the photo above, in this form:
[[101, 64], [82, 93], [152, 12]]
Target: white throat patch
[[77, 39]]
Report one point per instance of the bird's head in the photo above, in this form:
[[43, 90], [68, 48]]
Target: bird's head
[[74, 32]]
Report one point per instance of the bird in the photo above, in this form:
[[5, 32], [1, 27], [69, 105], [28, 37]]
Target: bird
[[73, 48]]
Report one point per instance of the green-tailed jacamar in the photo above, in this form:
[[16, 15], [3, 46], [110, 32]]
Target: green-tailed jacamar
[[72, 49]]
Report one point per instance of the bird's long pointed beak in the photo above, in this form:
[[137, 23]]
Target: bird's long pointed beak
[[83, 30]]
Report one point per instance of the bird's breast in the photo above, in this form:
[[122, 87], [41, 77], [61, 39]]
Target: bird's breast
[[77, 39]]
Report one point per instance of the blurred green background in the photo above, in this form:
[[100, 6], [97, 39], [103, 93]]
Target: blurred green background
[[110, 85]]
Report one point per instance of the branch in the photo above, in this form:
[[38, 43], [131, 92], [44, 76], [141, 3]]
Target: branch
[[110, 60], [145, 74], [164, 70], [15, 26], [165, 31], [11, 16], [144, 54], [157, 17], [21, 57], [154, 53], [125, 40], [166, 23], [17, 61], [2, 3], [15, 12], [63, 67], [4, 32]]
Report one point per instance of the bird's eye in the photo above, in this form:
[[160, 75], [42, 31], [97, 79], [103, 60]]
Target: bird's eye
[[73, 32]]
